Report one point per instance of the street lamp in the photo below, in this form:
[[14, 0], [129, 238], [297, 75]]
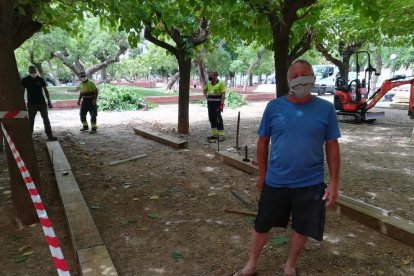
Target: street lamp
[[150, 68], [392, 58]]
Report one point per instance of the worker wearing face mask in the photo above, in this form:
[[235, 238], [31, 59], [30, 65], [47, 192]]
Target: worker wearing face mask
[[88, 94], [214, 91], [35, 86], [291, 168]]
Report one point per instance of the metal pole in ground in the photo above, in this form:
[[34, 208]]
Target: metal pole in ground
[[245, 159], [238, 131]]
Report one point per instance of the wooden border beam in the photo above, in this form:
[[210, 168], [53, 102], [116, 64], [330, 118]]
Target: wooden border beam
[[366, 214], [91, 253], [161, 137]]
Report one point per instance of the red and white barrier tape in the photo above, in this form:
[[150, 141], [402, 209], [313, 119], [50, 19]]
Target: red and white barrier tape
[[58, 259], [13, 114]]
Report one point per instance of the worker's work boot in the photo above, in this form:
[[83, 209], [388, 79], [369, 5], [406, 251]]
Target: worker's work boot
[[93, 131], [84, 128]]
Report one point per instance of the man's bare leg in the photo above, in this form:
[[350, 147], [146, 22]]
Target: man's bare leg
[[258, 240], [297, 244]]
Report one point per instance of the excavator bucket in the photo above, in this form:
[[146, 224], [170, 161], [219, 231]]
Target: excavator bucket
[[374, 115]]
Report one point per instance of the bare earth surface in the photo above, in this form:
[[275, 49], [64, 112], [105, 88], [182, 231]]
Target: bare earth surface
[[163, 214]]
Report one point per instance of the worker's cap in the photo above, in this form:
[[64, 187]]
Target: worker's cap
[[82, 75]]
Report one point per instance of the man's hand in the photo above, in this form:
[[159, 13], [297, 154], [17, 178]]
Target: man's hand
[[259, 182], [94, 102], [49, 104], [331, 194], [220, 107], [78, 102]]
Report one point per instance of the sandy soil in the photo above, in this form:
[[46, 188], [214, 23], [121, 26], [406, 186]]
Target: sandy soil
[[163, 214]]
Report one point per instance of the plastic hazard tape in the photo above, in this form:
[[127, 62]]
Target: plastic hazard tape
[[13, 114], [58, 259]]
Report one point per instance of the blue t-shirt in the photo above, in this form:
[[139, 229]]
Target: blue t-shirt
[[298, 133]]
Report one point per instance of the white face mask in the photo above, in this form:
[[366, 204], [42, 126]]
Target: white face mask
[[301, 86], [84, 79], [33, 75]]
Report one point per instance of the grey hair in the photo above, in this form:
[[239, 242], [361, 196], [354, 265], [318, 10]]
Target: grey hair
[[302, 61]]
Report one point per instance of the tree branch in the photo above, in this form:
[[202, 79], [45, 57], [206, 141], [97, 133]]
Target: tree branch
[[107, 62], [25, 27], [201, 35], [301, 47], [65, 61], [148, 36], [327, 55]]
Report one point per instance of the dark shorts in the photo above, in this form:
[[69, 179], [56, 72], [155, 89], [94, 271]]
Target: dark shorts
[[306, 206]]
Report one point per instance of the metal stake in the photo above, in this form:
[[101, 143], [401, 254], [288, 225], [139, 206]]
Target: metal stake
[[245, 155], [238, 131]]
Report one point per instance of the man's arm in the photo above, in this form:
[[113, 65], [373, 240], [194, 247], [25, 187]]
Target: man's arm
[[49, 104], [80, 95], [262, 157], [334, 162], [95, 96], [205, 90]]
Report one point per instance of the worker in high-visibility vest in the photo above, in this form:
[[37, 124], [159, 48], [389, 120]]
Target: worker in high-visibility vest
[[88, 94], [214, 91]]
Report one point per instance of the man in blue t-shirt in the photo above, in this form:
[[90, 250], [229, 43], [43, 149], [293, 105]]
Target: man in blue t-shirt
[[291, 177]]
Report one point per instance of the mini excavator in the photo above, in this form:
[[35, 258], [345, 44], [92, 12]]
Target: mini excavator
[[351, 102]]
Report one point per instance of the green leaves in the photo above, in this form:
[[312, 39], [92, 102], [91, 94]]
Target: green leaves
[[118, 98]]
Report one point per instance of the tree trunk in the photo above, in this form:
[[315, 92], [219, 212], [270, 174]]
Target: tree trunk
[[281, 52], [173, 80], [232, 79], [53, 74], [11, 99], [184, 66], [201, 69], [104, 76], [255, 63], [378, 68], [343, 65]]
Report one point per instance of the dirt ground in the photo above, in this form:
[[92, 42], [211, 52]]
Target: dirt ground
[[163, 214]]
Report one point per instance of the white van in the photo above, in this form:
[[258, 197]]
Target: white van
[[325, 78]]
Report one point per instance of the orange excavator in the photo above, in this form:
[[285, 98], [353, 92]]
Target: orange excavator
[[351, 100]]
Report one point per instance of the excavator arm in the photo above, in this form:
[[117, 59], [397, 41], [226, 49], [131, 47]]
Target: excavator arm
[[389, 84]]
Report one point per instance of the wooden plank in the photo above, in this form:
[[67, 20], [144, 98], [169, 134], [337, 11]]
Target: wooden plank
[[364, 205], [90, 250], [366, 214], [57, 157], [236, 161], [161, 137], [391, 226], [83, 231], [82, 228], [95, 261], [66, 181]]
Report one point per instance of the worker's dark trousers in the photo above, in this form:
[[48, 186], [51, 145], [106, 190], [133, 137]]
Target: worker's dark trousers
[[32, 109], [214, 116], [86, 107]]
